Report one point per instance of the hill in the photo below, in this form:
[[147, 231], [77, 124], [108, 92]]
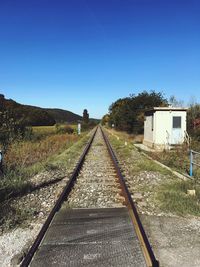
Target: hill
[[36, 116], [61, 115]]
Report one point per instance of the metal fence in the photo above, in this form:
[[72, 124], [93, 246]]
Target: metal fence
[[194, 160]]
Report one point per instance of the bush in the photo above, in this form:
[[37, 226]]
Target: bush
[[196, 135], [64, 129]]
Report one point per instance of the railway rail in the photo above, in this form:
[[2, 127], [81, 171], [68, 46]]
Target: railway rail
[[94, 222]]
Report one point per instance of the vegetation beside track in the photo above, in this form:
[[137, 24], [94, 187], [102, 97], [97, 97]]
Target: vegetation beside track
[[15, 212], [173, 197], [179, 158], [25, 158], [168, 194]]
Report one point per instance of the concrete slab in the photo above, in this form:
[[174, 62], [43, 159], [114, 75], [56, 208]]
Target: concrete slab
[[90, 237], [145, 148], [175, 240]]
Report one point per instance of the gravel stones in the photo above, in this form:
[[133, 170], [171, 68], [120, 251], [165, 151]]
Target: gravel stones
[[16, 243], [97, 185]]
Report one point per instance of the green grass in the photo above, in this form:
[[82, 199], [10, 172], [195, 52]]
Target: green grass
[[15, 216], [173, 197], [148, 165], [139, 162]]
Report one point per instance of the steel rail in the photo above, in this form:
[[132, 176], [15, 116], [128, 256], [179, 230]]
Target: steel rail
[[58, 204], [145, 245]]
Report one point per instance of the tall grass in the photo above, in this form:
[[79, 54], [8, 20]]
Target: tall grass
[[177, 159], [26, 153], [25, 158]]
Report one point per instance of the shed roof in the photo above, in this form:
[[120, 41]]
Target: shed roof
[[152, 110]]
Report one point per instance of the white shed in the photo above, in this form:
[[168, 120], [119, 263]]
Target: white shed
[[164, 126]]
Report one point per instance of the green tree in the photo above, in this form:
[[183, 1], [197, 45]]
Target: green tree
[[85, 116], [10, 128], [105, 119], [127, 114]]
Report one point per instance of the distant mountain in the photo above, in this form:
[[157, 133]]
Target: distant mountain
[[61, 115], [36, 116]]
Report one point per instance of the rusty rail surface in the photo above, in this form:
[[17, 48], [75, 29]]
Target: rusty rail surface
[[58, 204], [145, 245]]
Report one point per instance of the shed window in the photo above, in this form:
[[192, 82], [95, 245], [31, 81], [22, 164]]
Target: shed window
[[176, 122]]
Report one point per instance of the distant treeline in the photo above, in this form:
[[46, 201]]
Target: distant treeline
[[35, 116]]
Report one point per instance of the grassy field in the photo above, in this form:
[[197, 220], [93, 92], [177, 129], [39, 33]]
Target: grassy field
[[44, 129], [50, 129]]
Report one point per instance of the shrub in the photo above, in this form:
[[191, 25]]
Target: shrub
[[64, 129]]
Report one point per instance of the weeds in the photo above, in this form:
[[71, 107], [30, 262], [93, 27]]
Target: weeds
[[16, 216], [26, 153], [173, 197], [140, 163]]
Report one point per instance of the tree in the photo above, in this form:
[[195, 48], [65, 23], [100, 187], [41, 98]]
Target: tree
[[193, 118], [127, 114], [85, 116], [10, 128], [105, 119]]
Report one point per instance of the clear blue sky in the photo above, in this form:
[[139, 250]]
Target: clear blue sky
[[77, 54]]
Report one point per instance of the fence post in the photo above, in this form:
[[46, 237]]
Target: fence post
[[191, 163]]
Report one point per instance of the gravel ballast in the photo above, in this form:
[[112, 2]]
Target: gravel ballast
[[97, 185]]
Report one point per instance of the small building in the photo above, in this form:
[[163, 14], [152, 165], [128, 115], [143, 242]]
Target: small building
[[164, 127]]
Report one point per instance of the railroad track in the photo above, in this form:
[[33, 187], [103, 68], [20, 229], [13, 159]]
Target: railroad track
[[94, 222]]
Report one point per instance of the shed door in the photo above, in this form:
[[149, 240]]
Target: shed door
[[176, 130]]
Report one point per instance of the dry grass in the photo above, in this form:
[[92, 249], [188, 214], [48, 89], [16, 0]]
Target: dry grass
[[44, 129], [135, 138], [26, 153]]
